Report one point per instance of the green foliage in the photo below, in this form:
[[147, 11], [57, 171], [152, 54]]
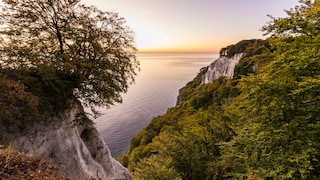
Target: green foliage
[[82, 119], [264, 125], [279, 111], [301, 20], [278, 108], [254, 57], [240, 47], [185, 140], [155, 167], [188, 89], [76, 50]]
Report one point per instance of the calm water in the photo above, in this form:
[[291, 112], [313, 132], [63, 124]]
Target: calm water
[[155, 90]]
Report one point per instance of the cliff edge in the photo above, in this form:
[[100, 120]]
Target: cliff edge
[[77, 149], [234, 61], [223, 66]]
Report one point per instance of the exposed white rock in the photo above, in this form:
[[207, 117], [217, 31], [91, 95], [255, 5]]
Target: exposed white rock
[[223, 66], [79, 151]]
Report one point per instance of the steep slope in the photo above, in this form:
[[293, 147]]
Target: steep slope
[[221, 67], [44, 122], [179, 144], [78, 150], [226, 64]]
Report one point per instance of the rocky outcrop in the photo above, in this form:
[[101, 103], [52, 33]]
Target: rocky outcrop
[[226, 65], [78, 150], [223, 66], [178, 102]]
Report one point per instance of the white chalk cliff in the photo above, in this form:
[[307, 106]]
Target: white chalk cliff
[[223, 66], [78, 150]]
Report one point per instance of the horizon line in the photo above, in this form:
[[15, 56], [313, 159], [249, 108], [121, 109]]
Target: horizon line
[[170, 51]]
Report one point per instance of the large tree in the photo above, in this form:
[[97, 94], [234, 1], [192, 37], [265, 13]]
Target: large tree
[[278, 112], [77, 50]]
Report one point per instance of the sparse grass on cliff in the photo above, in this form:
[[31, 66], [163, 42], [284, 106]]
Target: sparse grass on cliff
[[16, 165]]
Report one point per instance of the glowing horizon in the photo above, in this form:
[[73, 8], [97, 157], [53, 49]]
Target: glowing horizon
[[179, 49], [194, 26]]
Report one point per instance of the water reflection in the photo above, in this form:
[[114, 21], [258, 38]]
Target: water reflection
[[155, 90]]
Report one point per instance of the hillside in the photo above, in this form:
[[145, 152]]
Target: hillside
[[262, 123], [181, 129]]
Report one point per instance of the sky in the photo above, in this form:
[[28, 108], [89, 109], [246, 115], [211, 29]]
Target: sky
[[194, 25]]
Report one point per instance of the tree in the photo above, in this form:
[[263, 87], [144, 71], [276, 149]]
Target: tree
[[77, 50], [278, 111], [155, 167], [301, 20]]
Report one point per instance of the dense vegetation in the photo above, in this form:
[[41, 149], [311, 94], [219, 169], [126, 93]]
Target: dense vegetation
[[239, 47], [262, 124], [53, 54], [57, 51]]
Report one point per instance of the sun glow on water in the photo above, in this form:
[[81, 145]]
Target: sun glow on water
[[156, 90]]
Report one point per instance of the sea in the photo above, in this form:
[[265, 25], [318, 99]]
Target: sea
[[155, 90]]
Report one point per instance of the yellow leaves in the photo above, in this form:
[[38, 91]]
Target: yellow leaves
[[17, 90], [16, 103]]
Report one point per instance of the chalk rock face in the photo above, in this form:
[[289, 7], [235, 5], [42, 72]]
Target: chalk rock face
[[223, 66], [78, 150]]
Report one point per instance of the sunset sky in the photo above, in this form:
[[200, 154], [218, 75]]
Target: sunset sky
[[194, 25]]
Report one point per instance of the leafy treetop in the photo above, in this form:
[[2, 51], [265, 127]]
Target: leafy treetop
[[301, 20], [77, 50]]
